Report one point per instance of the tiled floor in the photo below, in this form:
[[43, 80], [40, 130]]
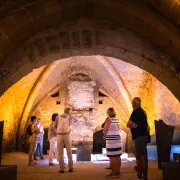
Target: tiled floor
[[84, 171]]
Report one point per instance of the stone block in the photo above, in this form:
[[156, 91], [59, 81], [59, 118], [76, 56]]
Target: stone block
[[29, 50], [53, 43], [41, 47], [65, 40], [87, 38], [20, 17], [83, 155], [99, 36], [171, 171], [8, 172], [76, 43]]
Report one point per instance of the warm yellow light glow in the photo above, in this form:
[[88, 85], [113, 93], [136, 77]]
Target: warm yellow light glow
[[12, 103], [157, 100]]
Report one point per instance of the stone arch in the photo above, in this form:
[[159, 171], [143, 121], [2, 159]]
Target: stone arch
[[93, 38], [75, 69], [21, 20]]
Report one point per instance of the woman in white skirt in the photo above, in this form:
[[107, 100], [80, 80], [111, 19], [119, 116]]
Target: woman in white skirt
[[113, 142], [52, 137]]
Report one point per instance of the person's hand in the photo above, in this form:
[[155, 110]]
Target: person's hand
[[134, 125], [104, 137]]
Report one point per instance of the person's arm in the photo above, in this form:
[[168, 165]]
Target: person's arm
[[106, 126], [42, 129], [102, 126], [37, 131], [55, 124], [131, 123]]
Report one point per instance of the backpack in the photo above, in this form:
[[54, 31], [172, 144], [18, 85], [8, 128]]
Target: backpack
[[28, 130]]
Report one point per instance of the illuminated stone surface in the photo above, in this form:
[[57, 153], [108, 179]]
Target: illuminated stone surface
[[81, 95], [95, 171], [119, 81]]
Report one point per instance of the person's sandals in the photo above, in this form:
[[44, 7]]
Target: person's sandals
[[32, 164], [61, 171], [71, 170], [135, 168], [113, 175], [51, 164]]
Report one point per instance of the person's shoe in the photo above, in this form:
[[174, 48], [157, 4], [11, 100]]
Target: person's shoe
[[42, 158], [112, 175], [51, 164], [35, 159], [135, 168], [71, 170], [136, 178], [108, 167], [31, 164], [61, 171]]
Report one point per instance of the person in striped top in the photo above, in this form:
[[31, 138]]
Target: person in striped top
[[113, 141]]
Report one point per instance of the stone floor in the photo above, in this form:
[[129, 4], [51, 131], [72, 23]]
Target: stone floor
[[84, 171]]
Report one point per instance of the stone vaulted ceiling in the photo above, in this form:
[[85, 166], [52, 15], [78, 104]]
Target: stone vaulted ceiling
[[168, 8], [36, 32]]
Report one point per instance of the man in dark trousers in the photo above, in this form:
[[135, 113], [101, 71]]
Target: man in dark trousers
[[140, 135]]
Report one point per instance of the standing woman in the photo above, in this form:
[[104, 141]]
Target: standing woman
[[52, 137], [113, 142]]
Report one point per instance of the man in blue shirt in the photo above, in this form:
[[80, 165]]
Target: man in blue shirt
[[140, 135]]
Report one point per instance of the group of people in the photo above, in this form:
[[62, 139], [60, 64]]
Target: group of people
[[139, 127], [59, 136], [36, 139]]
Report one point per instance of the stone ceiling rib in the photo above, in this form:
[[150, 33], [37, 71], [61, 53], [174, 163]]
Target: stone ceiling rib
[[118, 80], [30, 98]]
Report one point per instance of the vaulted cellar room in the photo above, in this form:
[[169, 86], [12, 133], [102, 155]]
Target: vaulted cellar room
[[111, 71]]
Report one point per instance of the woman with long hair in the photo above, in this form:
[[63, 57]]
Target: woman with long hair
[[113, 142], [52, 137]]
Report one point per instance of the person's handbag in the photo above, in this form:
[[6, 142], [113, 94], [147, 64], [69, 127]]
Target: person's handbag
[[149, 138]]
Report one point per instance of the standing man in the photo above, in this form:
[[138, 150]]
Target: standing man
[[39, 139], [62, 126], [140, 135], [33, 139]]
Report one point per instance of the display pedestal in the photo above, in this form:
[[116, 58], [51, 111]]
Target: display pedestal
[[8, 172], [83, 154], [164, 136], [171, 171]]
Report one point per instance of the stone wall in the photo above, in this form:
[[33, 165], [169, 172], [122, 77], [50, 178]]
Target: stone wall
[[167, 107], [157, 100], [88, 113], [81, 95], [12, 104]]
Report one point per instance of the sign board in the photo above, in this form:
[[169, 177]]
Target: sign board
[[1, 138], [164, 136]]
